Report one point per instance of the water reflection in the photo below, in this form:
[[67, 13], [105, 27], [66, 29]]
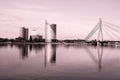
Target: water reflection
[[4, 45], [50, 54], [97, 61], [24, 51], [36, 47], [30, 47], [94, 52], [53, 62], [100, 54]]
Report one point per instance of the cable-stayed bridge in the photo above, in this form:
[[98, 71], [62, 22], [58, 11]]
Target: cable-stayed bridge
[[105, 32]]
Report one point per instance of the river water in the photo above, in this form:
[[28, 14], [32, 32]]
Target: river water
[[59, 62]]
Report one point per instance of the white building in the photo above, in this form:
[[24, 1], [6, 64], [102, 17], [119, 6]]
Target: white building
[[50, 32]]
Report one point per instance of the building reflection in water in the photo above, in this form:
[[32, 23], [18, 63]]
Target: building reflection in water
[[30, 47], [36, 47], [24, 51], [50, 54]]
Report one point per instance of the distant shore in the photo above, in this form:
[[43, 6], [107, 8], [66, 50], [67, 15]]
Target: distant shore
[[82, 43]]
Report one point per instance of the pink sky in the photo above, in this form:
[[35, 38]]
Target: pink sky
[[74, 18]]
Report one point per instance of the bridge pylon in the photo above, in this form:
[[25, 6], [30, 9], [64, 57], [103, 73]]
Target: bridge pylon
[[99, 28], [100, 33]]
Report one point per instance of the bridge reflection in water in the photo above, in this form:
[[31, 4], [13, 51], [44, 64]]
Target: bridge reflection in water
[[60, 61], [97, 61], [50, 53]]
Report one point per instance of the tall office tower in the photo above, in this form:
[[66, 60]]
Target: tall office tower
[[24, 33], [50, 32]]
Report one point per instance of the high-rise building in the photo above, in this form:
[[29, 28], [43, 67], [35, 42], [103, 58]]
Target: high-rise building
[[24, 33], [50, 32]]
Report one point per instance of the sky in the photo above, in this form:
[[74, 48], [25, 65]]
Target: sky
[[74, 18]]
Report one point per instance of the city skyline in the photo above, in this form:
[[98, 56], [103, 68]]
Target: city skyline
[[77, 16]]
